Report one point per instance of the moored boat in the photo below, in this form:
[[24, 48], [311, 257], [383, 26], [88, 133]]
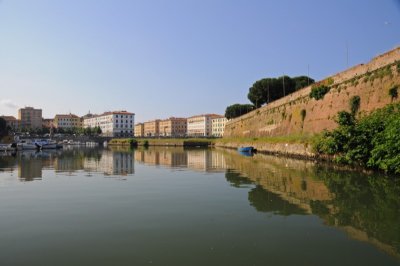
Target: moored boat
[[26, 145], [43, 144], [246, 149]]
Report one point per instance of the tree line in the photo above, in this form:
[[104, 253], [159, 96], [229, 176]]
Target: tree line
[[267, 90]]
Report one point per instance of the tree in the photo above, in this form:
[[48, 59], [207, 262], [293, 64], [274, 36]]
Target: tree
[[237, 109], [98, 130], [3, 127], [270, 89]]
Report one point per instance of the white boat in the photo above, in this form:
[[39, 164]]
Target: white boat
[[44, 144], [6, 147], [26, 144]]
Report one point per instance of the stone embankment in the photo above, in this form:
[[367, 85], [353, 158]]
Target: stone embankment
[[297, 113], [299, 150]]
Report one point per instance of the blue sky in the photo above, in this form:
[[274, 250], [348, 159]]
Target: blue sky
[[176, 57]]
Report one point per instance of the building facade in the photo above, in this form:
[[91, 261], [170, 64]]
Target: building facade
[[11, 121], [30, 118], [173, 127], [152, 128], [139, 130], [67, 121], [112, 124], [200, 125], [218, 126], [48, 123]]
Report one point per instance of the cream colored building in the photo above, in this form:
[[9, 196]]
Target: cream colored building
[[218, 126], [173, 127], [11, 121], [152, 128], [139, 130], [67, 121], [200, 125], [30, 117], [111, 163], [112, 124]]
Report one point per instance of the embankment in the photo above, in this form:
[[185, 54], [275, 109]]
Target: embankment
[[298, 114]]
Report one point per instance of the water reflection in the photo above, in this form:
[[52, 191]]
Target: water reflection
[[366, 207]]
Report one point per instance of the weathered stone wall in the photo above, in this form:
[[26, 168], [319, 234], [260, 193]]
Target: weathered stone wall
[[370, 81]]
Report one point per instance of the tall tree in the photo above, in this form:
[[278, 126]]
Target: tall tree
[[3, 127], [237, 109]]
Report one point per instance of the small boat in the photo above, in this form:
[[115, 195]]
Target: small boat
[[43, 144], [26, 145], [246, 149]]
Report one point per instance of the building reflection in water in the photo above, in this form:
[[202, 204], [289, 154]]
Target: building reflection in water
[[111, 163], [367, 207], [204, 160]]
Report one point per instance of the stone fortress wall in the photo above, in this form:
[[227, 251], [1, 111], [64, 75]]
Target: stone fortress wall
[[370, 81]]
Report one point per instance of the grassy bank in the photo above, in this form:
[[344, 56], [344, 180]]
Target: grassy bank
[[162, 142], [301, 139]]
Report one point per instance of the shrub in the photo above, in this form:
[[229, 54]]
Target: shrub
[[303, 114], [319, 92], [393, 92], [354, 104], [372, 141], [345, 119]]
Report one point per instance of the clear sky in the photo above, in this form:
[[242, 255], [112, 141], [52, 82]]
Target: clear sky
[[176, 57]]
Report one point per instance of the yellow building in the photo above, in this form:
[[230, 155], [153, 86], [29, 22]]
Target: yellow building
[[30, 117], [152, 128], [67, 121], [218, 126], [173, 127], [139, 130]]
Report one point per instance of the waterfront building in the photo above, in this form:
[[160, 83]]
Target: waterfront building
[[152, 128], [173, 127], [200, 125], [218, 126], [67, 121], [11, 121], [30, 118], [48, 123], [112, 124], [139, 130]]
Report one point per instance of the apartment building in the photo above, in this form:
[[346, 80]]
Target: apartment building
[[218, 126], [67, 121], [200, 125], [152, 128], [173, 127], [139, 130], [11, 121], [48, 122], [112, 124], [30, 117]]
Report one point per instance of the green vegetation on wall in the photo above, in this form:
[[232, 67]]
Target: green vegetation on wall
[[303, 114], [354, 104], [372, 141], [393, 92], [318, 92]]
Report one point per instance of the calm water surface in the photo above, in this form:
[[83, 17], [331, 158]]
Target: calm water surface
[[172, 206]]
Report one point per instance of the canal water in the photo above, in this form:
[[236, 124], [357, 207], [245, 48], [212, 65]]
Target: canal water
[[175, 206]]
